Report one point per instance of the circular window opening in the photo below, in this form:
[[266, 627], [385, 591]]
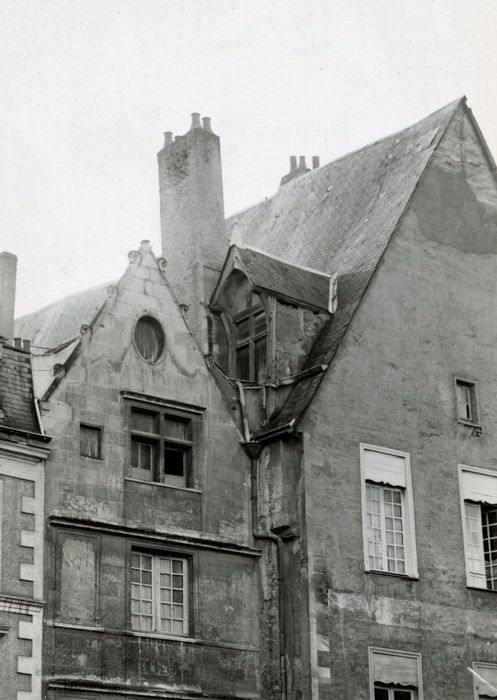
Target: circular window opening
[[149, 338]]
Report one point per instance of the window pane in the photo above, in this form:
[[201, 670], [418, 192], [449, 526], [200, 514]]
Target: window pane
[[176, 428], [380, 693], [464, 395], [149, 338], [489, 516], [242, 329], [90, 440], [145, 421], [242, 363], [143, 455], [260, 360], [259, 322], [402, 695], [174, 461]]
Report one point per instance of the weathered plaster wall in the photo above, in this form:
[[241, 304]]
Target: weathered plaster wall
[[429, 314], [223, 657], [285, 575], [296, 330]]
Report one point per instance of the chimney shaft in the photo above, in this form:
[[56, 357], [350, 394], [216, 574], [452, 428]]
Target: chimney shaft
[[194, 239], [293, 163], [315, 162], [8, 270]]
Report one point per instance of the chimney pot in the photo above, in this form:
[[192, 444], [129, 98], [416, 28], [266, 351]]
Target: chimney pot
[[18, 343], [315, 162], [293, 163], [195, 121], [26, 345], [168, 138], [206, 123], [302, 162]]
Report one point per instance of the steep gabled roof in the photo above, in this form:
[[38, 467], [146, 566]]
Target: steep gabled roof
[[61, 321], [17, 407], [339, 219], [300, 285]]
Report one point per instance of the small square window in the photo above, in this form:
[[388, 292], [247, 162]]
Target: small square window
[[395, 675], [90, 441], [466, 401]]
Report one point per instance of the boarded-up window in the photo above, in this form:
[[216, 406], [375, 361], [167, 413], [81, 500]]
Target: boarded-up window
[[90, 441], [78, 579]]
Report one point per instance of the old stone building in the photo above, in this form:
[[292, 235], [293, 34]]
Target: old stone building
[[23, 450], [273, 470]]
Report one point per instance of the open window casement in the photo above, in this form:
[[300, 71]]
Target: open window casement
[[388, 511], [395, 669], [479, 513], [485, 680]]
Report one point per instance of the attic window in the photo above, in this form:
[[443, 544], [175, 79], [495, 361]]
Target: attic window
[[149, 338], [250, 342]]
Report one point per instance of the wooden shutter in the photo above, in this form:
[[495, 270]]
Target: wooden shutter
[[486, 680], [395, 669], [384, 468]]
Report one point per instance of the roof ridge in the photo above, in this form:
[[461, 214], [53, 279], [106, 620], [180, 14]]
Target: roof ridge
[[453, 104]]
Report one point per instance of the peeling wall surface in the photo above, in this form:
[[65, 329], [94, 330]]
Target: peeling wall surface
[[99, 515], [427, 317]]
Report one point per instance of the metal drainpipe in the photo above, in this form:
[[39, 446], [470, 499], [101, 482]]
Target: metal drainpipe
[[275, 539]]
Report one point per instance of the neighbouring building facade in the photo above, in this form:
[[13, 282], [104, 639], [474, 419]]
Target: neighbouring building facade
[[23, 451], [273, 470]]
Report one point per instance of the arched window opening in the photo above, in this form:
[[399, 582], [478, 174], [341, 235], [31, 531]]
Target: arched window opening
[[250, 334]]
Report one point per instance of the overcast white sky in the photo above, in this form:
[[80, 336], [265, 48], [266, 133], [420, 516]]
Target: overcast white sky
[[89, 86]]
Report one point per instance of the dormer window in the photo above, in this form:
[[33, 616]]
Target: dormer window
[[250, 331]]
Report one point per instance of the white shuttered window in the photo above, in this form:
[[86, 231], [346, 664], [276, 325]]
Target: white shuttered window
[[388, 511], [479, 515], [395, 675]]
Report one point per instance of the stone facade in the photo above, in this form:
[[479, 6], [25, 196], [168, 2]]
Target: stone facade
[[22, 479], [305, 465]]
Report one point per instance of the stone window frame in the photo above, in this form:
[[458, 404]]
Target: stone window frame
[[465, 407], [475, 503], [100, 439], [192, 447], [479, 672], [157, 551], [409, 530], [390, 684]]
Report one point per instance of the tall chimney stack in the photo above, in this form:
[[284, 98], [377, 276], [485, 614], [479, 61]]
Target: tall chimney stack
[[8, 269], [194, 239]]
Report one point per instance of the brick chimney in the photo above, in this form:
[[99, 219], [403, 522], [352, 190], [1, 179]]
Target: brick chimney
[[194, 240], [8, 269]]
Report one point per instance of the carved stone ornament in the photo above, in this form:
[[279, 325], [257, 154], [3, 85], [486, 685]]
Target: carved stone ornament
[[162, 263], [85, 328], [112, 289], [134, 256], [59, 371]]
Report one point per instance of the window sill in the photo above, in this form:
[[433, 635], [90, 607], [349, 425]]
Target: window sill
[[484, 590], [164, 486], [408, 577]]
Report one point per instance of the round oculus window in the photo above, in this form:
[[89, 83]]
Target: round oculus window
[[149, 338]]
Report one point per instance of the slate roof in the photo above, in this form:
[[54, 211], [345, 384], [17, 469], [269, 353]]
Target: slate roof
[[17, 408], [59, 322], [338, 219], [287, 280]]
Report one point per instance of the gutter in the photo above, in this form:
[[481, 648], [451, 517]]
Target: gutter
[[253, 450]]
